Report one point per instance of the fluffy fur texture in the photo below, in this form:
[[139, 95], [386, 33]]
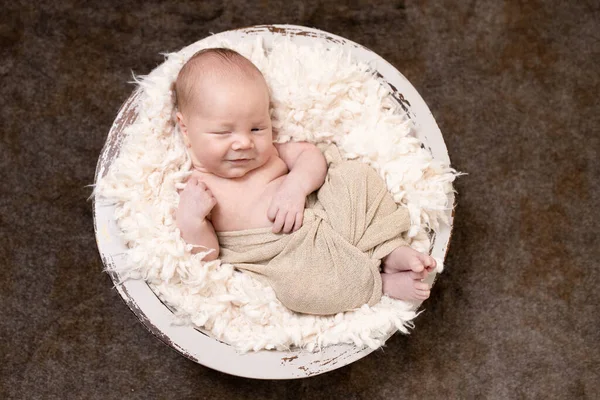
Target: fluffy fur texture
[[318, 94]]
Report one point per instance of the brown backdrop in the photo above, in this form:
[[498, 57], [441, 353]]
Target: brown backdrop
[[513, 86]]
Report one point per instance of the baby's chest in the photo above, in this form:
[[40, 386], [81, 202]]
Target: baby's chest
[[236, 200], [244, 207]]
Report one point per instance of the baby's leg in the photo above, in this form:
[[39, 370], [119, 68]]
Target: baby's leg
[[404, 258], [405, 285]]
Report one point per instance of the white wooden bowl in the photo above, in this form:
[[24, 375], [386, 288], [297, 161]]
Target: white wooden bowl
[[194, 344]]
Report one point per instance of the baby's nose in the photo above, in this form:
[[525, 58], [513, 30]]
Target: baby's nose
[[243, 142]]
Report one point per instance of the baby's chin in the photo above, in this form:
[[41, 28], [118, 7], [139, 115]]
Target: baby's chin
[[227, 172], [235, 172]]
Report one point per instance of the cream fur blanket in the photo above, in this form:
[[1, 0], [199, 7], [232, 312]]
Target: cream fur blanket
[[320, 95]]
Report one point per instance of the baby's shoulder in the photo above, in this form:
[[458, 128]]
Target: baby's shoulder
[[212, 181], [290, 151], [277, 163]]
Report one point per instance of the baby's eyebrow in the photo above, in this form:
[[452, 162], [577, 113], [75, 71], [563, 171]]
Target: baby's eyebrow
[[223, 126]]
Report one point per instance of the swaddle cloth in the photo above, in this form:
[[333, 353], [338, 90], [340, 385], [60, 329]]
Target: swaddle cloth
[[331, 264]]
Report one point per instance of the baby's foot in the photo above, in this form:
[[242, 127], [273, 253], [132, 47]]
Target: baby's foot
[[405, 258], [405, 285]]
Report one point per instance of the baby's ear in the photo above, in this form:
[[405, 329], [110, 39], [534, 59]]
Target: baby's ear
[[183, 128], [181, 122]]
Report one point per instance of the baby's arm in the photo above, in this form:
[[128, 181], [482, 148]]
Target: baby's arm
[[202, 234], [306, 163], [195, 203], [308, 169]]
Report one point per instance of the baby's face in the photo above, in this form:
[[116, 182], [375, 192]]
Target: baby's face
[[227, 127]]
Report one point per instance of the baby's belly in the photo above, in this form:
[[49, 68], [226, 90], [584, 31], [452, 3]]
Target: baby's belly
[[247, 211]]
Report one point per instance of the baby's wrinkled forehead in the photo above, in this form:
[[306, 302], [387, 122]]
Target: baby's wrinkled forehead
[[208, 67]]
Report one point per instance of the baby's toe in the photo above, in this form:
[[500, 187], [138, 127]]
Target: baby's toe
[[424, 258], [421, 286], [433, 263], [416, 265], [417, 276], [433, 266], [428, 262], [422, 294]]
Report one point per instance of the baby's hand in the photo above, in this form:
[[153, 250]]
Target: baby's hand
[[287, 208], [195, 201]]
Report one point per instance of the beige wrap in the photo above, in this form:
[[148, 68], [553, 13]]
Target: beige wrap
[[331, 264]]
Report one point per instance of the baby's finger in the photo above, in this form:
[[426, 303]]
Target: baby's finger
[[212, 202], [210, 197], [272, 212], [290, 219], [299, 220], [208, 192], [279, 221]]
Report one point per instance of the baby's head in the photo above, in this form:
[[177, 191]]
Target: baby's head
[[223, 113]]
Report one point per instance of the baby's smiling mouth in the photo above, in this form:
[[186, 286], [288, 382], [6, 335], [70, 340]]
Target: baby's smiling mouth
[[240, 160]]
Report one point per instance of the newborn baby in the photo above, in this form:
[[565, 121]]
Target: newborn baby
[[323, 232]]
